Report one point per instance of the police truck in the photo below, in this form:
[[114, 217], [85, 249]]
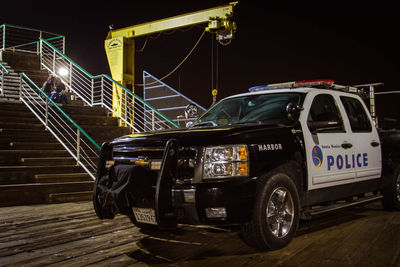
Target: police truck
[[263, 160]]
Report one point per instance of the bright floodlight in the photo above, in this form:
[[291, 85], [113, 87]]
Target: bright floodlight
[[63, 71]]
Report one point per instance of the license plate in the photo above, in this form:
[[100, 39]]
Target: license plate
[[143, 215]]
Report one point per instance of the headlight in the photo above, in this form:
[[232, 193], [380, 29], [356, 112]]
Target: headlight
[[225, 161]]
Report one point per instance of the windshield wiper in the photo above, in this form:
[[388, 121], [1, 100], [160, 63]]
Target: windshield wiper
[[203, 123]]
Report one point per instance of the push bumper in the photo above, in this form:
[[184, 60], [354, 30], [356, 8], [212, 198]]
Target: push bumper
[[226, 202]]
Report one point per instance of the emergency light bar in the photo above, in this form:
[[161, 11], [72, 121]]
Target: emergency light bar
[[320, 83], [325, 83]]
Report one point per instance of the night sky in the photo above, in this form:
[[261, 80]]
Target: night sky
[[353, 43]]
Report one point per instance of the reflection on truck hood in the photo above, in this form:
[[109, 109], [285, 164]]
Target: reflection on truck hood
[[203, 136]]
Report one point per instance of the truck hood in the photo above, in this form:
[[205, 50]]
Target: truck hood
[[205, 136]]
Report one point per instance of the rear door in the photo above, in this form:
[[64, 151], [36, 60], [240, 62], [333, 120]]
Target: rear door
[[367, 157]]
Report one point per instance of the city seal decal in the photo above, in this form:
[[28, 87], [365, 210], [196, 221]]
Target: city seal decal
[[317, 156]]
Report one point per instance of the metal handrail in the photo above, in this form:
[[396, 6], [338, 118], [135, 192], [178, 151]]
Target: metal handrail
[[71, 138], [98, 90], [18, 38], [3, 70]]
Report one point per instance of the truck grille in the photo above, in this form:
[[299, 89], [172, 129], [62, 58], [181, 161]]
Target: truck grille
[[153, 152]]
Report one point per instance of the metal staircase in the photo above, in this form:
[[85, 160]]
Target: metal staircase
[[35, 165], [9, 84], [49, 152]]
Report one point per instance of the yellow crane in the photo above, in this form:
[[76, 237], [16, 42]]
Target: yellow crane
[[120, 45]]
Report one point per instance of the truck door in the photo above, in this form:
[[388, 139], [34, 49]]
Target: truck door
[[329, 147], [368, 156]]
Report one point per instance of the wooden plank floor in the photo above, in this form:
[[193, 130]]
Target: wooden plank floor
[[71, 235]]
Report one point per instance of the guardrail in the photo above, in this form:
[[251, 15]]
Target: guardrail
[[167, 100], [3, 71], [71, 136], [132, 110], [18, 38], [99, 90]]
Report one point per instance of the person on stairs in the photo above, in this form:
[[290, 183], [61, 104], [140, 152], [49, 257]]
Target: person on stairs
[[48, 85], [58, 96]]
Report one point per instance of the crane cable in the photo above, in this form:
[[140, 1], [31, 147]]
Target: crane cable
[[180, 64]]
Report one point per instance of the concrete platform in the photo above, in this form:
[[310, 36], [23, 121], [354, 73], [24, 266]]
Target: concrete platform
[[69, 234]]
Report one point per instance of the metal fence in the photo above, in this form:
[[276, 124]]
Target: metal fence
[[25, 39], [100, 90], [93, 90], [75, 140], [167, 100], [3, 71]]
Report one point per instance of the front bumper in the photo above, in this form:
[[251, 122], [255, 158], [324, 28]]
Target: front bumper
[[124, 186], [226, 202]]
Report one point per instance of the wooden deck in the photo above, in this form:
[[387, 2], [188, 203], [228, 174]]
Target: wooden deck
[[70, 234]]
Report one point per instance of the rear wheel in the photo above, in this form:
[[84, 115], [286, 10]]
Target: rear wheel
[[391, 191], [276, 213]]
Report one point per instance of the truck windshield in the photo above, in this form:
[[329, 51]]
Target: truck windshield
[[261, 109]]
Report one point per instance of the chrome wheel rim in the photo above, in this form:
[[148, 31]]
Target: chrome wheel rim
[[280, 212], [398, 187]]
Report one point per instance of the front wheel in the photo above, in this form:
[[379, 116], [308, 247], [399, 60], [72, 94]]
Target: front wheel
[[276, 213]]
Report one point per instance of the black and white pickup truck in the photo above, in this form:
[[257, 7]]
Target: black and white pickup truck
[[262, 159]]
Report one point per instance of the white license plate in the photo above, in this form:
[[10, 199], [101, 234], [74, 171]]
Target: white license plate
[[145, 215]]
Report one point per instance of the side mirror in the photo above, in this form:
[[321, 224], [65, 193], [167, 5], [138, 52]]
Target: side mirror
[[293, 109], [191, 111]]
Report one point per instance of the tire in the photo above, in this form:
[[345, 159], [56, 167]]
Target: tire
[[391, 191], [275, 215]]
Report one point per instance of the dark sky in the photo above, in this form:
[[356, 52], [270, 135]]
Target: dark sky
[[276, 41]]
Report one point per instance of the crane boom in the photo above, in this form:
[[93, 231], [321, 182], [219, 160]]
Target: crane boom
[[223, 13], [120, 45]]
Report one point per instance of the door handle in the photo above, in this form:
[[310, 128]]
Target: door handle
[[347, 145], [374, 143]]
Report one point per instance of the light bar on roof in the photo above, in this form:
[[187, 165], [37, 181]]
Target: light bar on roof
[[311, 83], [297, 84]]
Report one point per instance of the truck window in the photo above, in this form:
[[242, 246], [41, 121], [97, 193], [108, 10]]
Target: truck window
[[324, 110], [358, 118], [260, 108]]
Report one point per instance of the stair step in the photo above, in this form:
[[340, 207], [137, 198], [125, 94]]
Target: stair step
[[70, 197], [20, 194], [34, 145], [62, 177], [47, 160], [12, 157], [31, 125], [26, 174], [13, 107]]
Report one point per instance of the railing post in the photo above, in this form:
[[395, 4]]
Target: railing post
[[37, 44], [152, 120], [70, 75], [63, 41], [41, 54], [20, 87], [54, 61], [92, 91], [47, 114], [127, 115], [102, 92], [2, 83], [78, 146], [4, 37]]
